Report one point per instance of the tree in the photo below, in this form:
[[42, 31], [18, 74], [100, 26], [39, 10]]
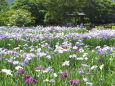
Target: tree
[[16, 18], [21, 18], [3, 5], [33, 6], [58, 9], [4, 17], [98, 11]]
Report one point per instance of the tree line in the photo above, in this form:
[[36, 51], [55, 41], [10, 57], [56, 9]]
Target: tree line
[[55, 12]]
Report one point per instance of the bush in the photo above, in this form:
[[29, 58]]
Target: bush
[[16, 18], [21, 18], [4, 17]]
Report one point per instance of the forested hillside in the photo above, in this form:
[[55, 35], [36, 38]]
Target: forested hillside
[[10, 1]]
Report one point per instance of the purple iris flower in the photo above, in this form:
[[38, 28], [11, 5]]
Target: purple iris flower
[[73, 82], [29, 79], [104, 51], [34, 81], [76, 82], [49, 69], [3, 36], [26, 61], [40, 67], [22, 71], [63, 76], [22, 63], [88, 73], [64, 46], [100, 59], [26, 77], [70, 82]]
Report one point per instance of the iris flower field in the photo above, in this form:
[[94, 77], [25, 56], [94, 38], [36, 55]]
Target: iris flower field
[[57, 56]]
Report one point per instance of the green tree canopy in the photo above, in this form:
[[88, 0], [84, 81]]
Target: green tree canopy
[[3, 5], [98, 10], [56, 11], [34, 6]]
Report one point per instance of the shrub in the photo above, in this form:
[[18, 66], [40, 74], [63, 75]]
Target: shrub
[[16, 18], [4, 17], [21, 18]]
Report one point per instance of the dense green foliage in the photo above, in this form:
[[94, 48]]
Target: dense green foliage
[[10, 1], [35, 7], [3, 5], [58, 11], [16, 18], [4, 17], [21, 18]]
